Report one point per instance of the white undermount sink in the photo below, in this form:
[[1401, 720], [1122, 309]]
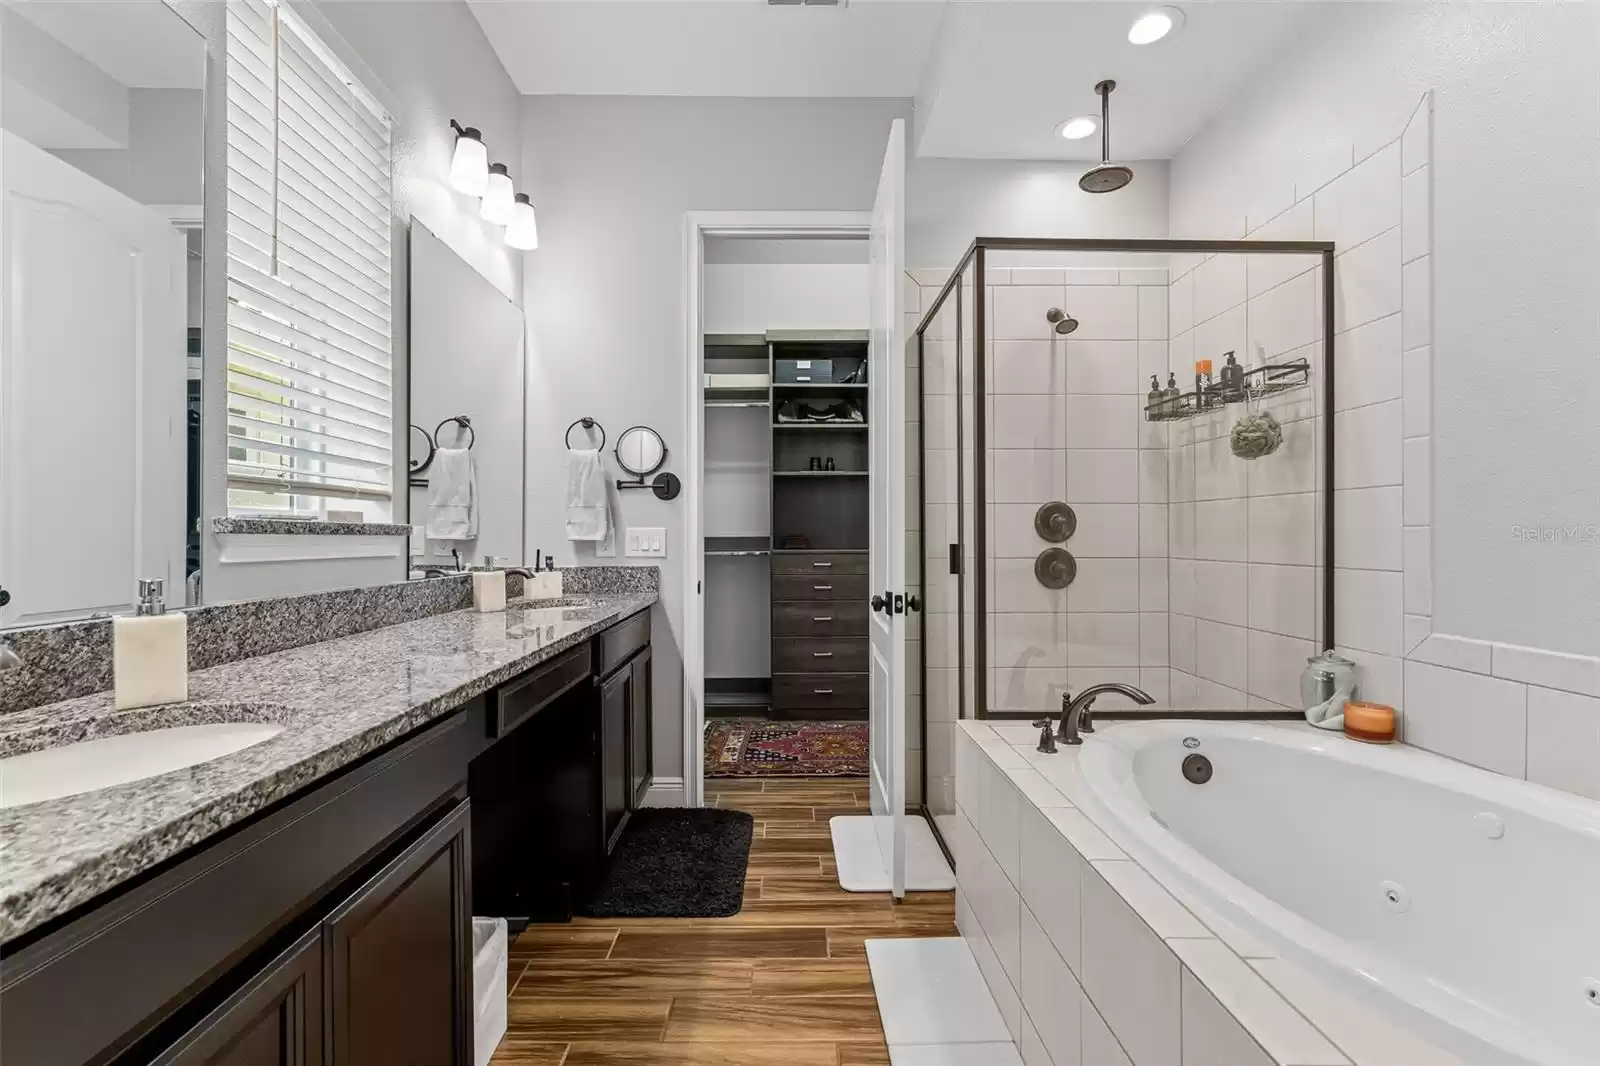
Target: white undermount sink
[[88, 765]]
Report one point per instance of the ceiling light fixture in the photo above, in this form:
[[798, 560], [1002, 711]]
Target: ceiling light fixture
[[1155, 24], [499, 197], [1076, 129], [469, 165], [522, 232]]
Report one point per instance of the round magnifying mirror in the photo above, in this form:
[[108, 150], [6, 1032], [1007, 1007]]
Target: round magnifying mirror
[[641, 451]]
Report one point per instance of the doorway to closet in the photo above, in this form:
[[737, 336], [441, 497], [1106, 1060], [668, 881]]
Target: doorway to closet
[[786, 515]]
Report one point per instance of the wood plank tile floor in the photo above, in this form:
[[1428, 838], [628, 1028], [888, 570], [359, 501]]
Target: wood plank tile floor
[[783, 983]]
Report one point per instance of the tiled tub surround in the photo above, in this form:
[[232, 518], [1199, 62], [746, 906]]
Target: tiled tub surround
[[1093, 962], [62, 662], [340, 699]]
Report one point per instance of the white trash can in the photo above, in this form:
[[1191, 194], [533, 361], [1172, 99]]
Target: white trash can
[[489, 952]]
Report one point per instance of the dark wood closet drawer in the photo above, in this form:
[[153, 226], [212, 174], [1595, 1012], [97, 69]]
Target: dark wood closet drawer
[[819, 618], [819, 692], [822, 564], [806, 655], [819, 588]]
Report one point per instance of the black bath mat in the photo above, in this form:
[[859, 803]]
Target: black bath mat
[[675, 862]]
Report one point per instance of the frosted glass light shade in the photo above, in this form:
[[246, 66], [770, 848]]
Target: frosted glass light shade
[[469, 166], [498, 197], [522, 232]]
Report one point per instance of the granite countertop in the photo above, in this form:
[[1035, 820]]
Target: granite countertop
[[303, 528], [338, 700]]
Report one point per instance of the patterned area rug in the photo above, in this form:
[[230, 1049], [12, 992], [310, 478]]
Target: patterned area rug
[[739, 748]]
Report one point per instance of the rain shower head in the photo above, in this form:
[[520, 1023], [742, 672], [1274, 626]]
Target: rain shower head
[[1063, 322], [1108, 176]]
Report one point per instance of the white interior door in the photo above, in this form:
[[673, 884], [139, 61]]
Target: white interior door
[[886, 375], [92, 380]]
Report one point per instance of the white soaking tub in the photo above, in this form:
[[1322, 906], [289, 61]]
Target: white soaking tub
[[1464, 904]]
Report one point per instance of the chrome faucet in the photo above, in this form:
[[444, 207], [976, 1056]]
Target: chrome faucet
[[9, 659], [518, 571], [1075, 719]]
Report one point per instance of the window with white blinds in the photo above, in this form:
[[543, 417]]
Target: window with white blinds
[[310, 398]]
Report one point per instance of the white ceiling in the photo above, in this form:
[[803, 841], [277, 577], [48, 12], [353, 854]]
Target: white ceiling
[[992, 78], [711, 47], [1008, 73], [143, 44]]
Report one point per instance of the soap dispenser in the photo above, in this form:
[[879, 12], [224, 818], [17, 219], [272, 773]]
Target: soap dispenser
[[1153, 402], [150, 651]]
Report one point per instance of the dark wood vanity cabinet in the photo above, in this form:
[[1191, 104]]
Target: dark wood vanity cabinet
[[332, 930], [274, 1020], [625, 734]]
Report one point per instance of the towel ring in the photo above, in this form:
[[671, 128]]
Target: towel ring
[[586, 423], [464, 422]]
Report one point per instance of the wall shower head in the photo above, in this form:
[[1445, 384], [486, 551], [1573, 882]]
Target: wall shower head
[[1108, 176], [1063, 322]]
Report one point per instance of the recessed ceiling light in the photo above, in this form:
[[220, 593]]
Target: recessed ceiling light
[[1155, 24], [1076, 129]]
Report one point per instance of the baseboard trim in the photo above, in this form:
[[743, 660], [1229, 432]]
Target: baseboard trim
[[664, 792]]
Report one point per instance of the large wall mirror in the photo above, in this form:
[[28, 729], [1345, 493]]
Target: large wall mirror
[[102, 105]]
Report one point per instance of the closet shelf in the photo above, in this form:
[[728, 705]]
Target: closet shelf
[[841, 386], [731, 553], [819, 425], [819, 473]]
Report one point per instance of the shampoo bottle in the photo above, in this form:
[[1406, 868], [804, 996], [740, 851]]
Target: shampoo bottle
[[150, 652]]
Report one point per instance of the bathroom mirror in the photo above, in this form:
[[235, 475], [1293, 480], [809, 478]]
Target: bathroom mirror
[[102, 105], [641, 451], [466, 370]]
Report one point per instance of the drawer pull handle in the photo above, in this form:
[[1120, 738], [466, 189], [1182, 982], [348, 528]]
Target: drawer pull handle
[[822, 655], [822, 588], [822, 692], [823, 565], [822, 618]]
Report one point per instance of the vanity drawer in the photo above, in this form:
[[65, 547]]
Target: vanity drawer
[[819, 588], [819, 692], [827, 655], [831, 564], [619, 643], [819, 618]]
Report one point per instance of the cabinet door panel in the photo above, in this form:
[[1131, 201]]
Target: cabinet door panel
[[274, 1020], [399, 958], [639, 730], [616, 692]]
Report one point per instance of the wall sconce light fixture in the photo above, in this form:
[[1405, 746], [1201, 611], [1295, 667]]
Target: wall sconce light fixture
[[522, 232], [469, 166], [499, 197]]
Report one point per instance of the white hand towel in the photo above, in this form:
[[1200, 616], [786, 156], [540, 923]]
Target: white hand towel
[[588, 513], [452, 495]]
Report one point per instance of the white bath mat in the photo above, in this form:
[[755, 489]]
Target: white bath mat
[[930, 994], [860, 861]]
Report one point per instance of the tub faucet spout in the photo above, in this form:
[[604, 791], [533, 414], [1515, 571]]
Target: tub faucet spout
[[1075, 720]]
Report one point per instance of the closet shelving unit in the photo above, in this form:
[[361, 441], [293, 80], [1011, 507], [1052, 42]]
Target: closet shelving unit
[[820, 526], [816, 541]]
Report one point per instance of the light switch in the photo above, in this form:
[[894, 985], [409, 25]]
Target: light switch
[[646, 542]]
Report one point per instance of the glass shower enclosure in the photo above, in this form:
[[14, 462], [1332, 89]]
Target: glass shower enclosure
[[1122, 466]]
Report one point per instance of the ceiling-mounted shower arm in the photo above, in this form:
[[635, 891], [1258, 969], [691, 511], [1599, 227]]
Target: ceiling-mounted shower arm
[[1103, 90]]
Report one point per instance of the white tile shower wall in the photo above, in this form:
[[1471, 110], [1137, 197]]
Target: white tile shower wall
[[1245, 536], [1525, 712], [1066, 423]]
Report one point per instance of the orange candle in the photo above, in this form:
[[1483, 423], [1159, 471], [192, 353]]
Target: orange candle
[[1370, 722]]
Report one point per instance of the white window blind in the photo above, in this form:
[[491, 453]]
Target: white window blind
[[310, 402]]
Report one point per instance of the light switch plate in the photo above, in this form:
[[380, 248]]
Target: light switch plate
[[646, 542], [607, 548]]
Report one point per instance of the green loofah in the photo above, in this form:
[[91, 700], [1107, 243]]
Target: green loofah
[[1256, 435]]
